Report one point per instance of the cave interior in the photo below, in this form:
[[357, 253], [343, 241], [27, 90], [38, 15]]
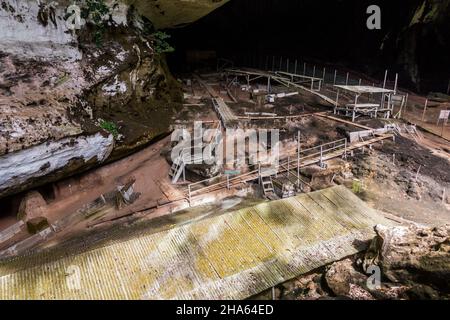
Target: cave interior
[[255, 33]]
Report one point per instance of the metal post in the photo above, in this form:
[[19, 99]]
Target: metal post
[[287, 65], [314, 72], [289, 166], [448, 88], [406, 102], [189, 191], [385, 79], [346, 79], [298, 158], [228, 181], [425, 110], [360, 81], [321, 156], [273, 63], [337, 101], [324, 73], [295, 71], [355, 108], [395, 84], [304, 68], [335, 76], [281, 63], [267, 63], [259, 172], [345, 149]]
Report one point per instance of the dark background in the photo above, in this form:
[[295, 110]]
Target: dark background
[[329, 31]]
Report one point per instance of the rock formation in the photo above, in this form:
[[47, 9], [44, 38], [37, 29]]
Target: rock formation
[[71, 99], [414, 263]]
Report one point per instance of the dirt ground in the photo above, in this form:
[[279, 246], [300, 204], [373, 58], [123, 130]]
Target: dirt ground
[[407, 180]]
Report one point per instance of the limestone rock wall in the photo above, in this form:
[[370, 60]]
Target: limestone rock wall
[[59, 85]]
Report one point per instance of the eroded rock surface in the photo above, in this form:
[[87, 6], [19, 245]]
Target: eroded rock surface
[[60, 88], [413, 255], [413, 263]]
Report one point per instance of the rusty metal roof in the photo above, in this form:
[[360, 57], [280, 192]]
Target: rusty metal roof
[[231, 256]]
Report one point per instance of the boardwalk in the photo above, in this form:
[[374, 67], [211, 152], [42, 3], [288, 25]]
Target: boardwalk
[[231, 256]]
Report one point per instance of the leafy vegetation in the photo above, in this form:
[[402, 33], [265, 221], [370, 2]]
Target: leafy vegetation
[[160, 43], [94, 12], [109, 126]]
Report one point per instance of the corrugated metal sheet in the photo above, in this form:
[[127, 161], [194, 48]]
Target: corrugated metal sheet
[[232, 256]]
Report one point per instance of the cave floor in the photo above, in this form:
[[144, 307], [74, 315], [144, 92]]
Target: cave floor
[[387, 185]]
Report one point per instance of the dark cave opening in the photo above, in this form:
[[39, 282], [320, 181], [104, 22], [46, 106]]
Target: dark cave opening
[[253, 33]]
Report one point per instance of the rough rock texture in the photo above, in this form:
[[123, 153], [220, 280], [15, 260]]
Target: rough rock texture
[[413, 260], [175, 13], [426, 30], [36, 225], [32, 206], [59, 89], [343, 279], [412, 255]]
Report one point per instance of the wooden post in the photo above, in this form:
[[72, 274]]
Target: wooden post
[[295, 71], [314, 72], [287, 65], [424, 110], [346, 80], [360, 81], [304, 68], [323, 76], [335, 76]]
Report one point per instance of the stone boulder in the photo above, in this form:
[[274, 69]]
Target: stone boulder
[[32, 206], [343, 280]]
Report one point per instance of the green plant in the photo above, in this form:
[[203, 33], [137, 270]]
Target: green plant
[[109, 126], [94, 12], [160, 43]]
